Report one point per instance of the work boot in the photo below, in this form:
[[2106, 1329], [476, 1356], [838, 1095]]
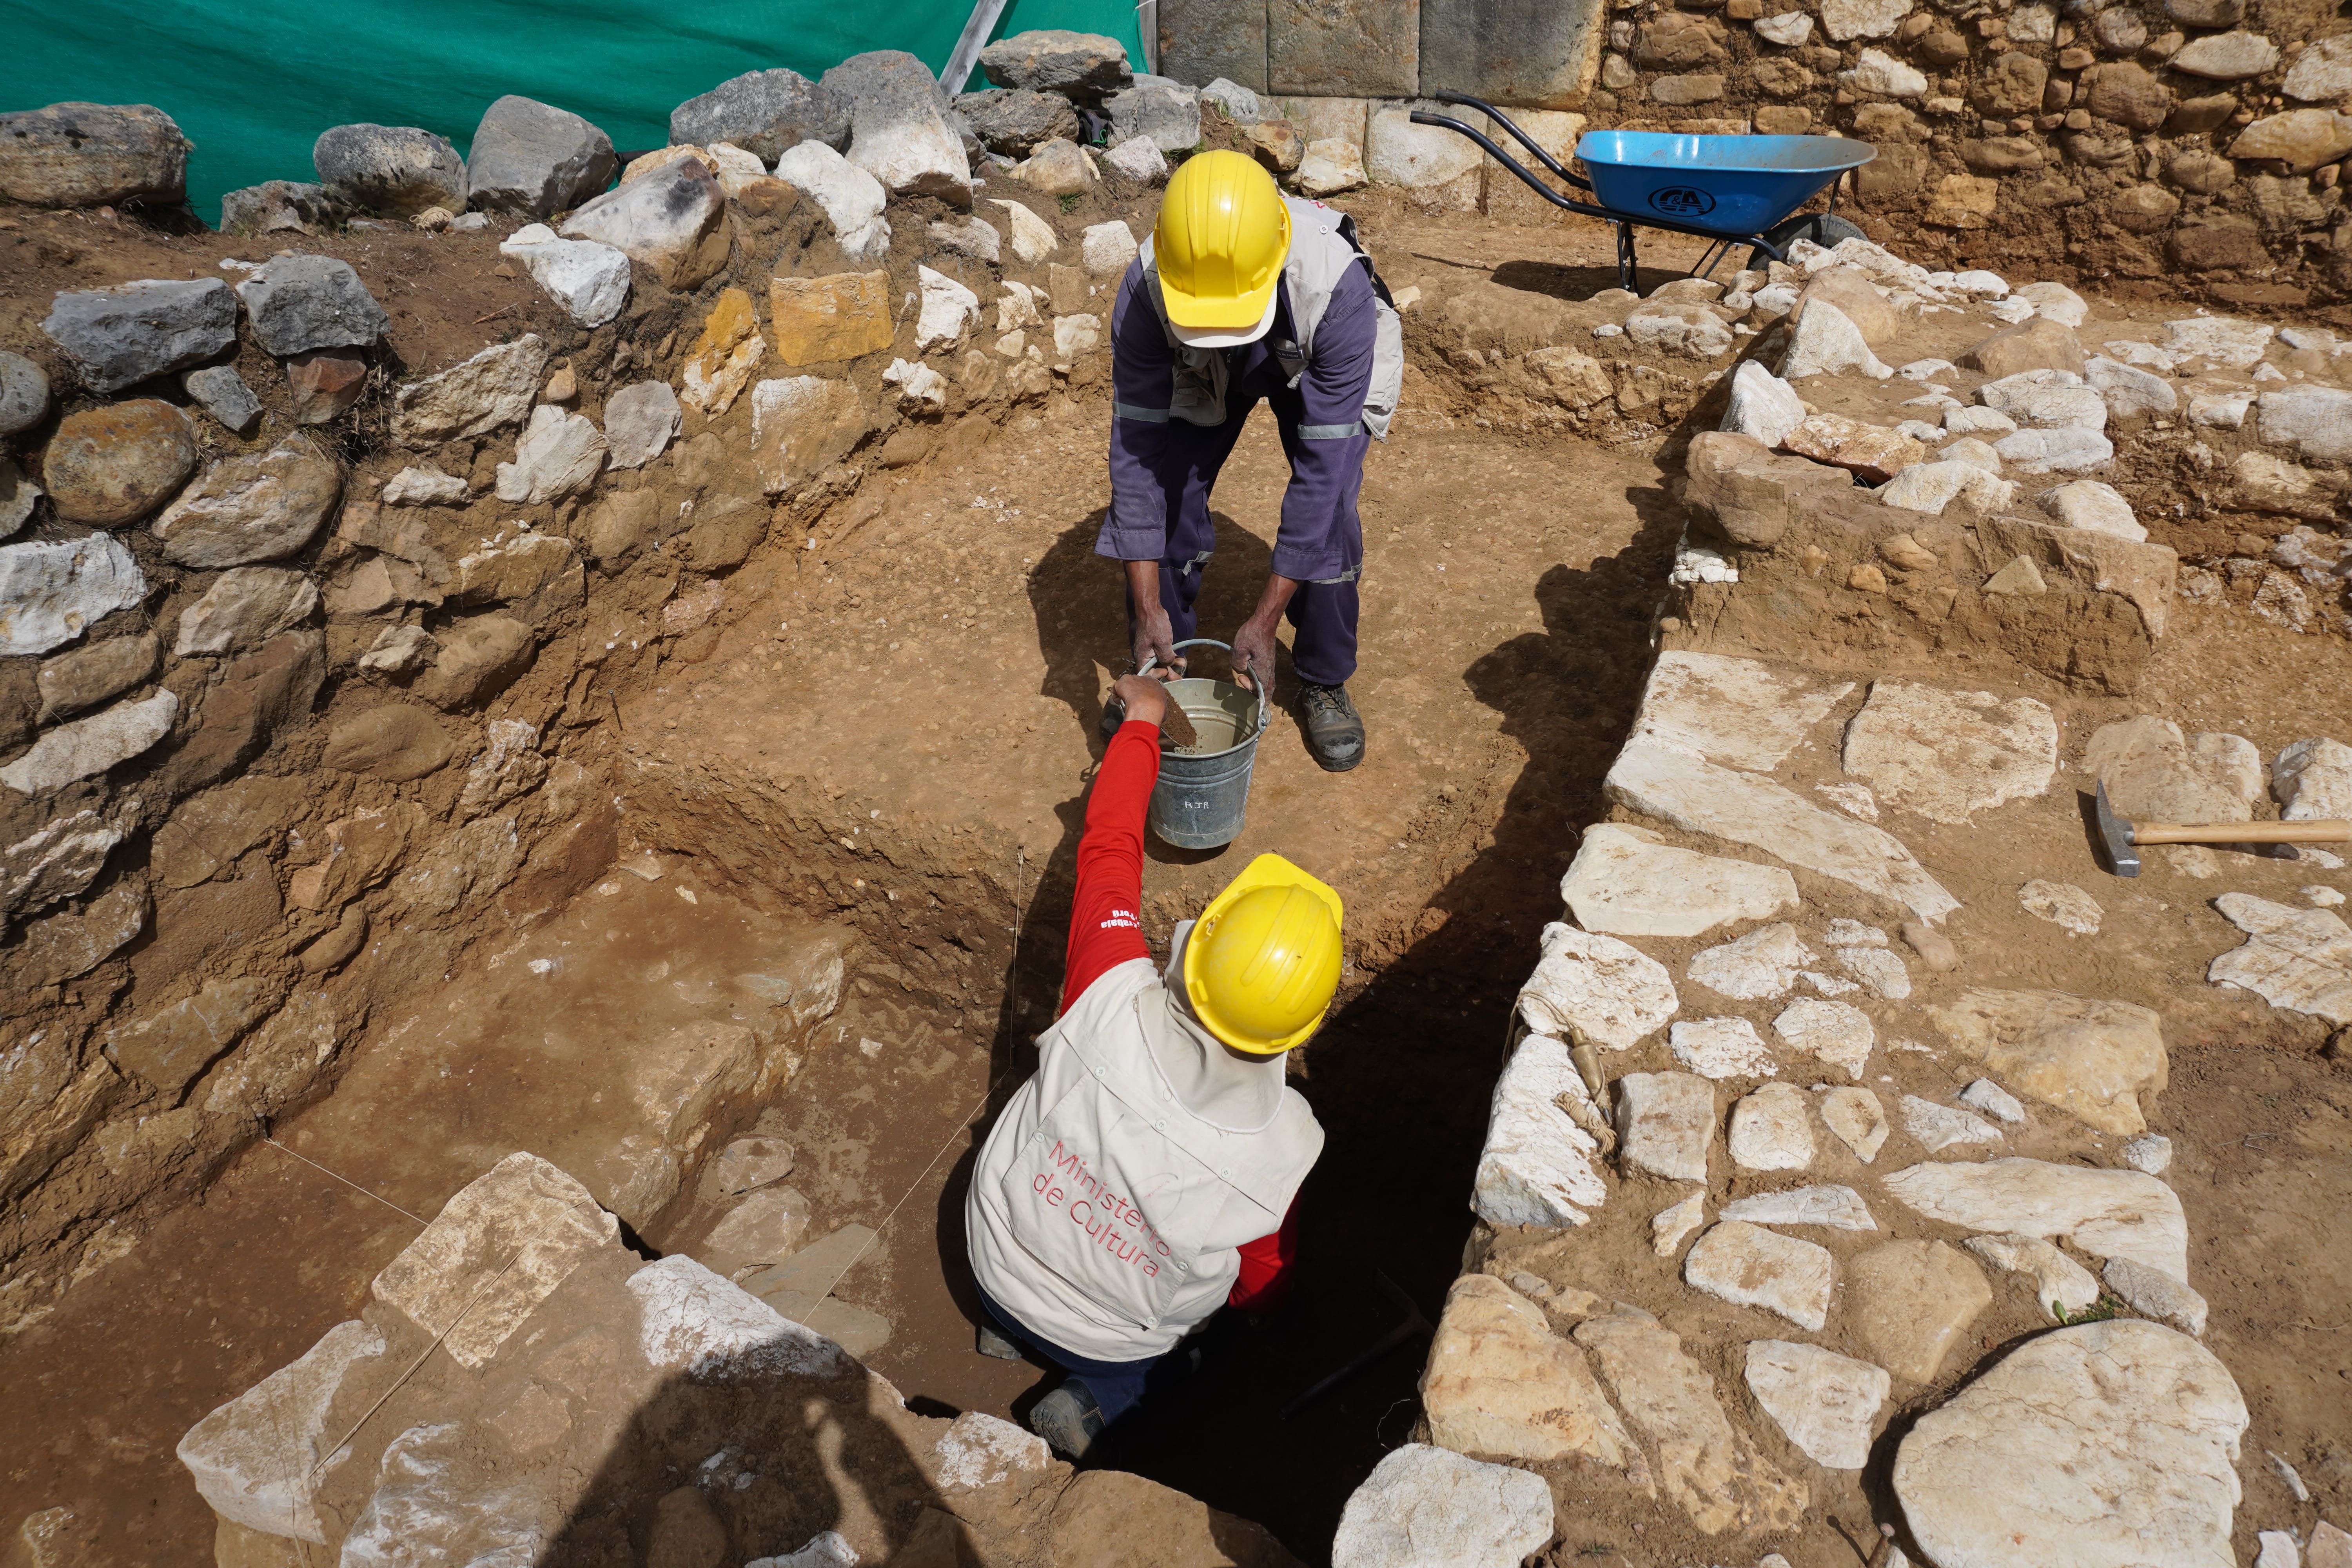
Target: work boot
[[1067, 1420], [996, 1346], [1334, 732]]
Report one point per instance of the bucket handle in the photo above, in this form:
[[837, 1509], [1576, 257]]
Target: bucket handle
[[1256, 679]]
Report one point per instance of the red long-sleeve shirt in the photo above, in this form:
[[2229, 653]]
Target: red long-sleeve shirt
[[1107, 929]]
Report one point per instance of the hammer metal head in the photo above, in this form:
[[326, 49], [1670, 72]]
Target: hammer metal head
[[2116, 837]]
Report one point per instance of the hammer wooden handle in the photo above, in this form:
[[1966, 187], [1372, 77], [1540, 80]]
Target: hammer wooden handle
[[2242, 833]]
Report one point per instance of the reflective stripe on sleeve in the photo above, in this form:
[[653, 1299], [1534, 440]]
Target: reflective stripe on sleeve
[[1329, 432], [1142, 415]]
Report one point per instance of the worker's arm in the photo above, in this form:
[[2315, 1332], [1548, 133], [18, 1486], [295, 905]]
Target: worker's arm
[[1147, 484], [1314, 541], [1106, 920], [1264, 1282]]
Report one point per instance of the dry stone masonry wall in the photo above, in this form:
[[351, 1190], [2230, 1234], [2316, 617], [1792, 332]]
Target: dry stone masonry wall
[[1784, 1192], [2191, 145], [310, 650]]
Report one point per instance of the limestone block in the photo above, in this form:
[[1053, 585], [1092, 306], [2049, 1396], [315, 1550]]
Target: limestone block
[[1500, 1383], [244, 607], [1856, 1116], [1700, 797], [2312, 779], [949, 311], [1749, 1266], [523, 1216], [589, 279], [1202, 40], [800, 427], [671, 221], [1740, 712], [50, 592], [2111, 1214], [258, 1459], [1771, 1129], [1706, 1465], [1762, 405], [1826, 1403], [2315, 420], [1510, 51], [853, 200], [1666, 1123], [1613, 992], [1911, 1302], [1626, 882], [1763, 963], [1950, 754], [1720, 1049], [88, 747], [495, 387], [1537, 1166], [2090, 1058], [1838, 1034], [2110, 1410], [840, 316], [1827, 342], [2061, 1285], [2297, 959], [693, 1321], [1940, 1127], [1425, 1506], [1369, 48], [1838, 1208], [2155, 1294], [763, 1228], [559, 455]]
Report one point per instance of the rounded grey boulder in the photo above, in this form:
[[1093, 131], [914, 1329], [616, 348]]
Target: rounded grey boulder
[[1081, 66], [1017, 121], [303, 302], [24, 394], [766, 113], [119, 336], [535, 160], [88, 154], [278, 204], [396, 169]]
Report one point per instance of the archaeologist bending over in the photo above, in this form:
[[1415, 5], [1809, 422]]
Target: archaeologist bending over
[[1241, 294], [1145, 1177]]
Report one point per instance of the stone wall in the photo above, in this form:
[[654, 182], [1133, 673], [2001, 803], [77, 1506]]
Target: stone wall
[[323, 580], [2194, 145]]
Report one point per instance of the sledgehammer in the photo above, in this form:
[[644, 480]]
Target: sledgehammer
[[2122, 839], [1414, 1327]]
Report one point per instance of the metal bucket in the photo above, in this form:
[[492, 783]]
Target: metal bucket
[[1203, 797]]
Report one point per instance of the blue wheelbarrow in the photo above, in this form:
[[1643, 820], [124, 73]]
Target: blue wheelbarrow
[[1728, 190]]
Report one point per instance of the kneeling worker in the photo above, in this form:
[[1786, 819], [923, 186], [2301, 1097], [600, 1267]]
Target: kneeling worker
[[1241, 294], [1145, 1177]]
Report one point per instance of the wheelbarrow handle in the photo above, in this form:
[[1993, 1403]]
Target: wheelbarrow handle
[[1264, 712], [1523, 140]]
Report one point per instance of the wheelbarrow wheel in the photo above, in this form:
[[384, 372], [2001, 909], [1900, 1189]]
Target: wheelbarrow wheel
[[1825, 229]]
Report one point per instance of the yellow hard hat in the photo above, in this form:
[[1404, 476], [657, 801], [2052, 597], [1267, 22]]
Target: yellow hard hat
[[1263, 958], [1222, 237]]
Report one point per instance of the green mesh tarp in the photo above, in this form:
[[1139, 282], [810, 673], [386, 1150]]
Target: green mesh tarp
[[253, 82]]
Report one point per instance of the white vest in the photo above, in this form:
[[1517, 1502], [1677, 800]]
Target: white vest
[[1320, 257], [1103, 1213]]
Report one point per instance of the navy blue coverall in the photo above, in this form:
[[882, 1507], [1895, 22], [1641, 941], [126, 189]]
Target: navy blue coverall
[[1162, 469]]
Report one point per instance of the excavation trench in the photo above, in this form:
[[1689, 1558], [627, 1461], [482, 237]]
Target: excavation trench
[[882, 751]]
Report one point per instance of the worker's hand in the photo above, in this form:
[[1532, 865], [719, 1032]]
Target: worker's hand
[[1145, 698], [1253, 653], [1155, 639]]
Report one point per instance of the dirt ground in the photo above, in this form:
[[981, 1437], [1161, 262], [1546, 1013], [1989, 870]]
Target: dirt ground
[[898, 733]]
